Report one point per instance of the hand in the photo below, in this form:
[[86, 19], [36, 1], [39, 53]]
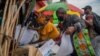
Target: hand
[[89, 22], [70, 30]]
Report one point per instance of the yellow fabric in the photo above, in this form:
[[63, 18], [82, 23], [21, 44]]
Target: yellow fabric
[[73, 12], [49, 32], [42, 9]]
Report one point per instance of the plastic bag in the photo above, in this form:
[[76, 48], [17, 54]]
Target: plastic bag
[[66, 46], [27, 36]]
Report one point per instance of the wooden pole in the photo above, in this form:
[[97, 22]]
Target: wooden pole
[[2, 27], [8, 25], [3, 21]]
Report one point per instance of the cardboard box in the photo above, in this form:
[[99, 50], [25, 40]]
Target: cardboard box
[[34, 51]]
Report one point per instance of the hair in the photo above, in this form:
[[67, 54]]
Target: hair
[[62, 10], [88, 7]]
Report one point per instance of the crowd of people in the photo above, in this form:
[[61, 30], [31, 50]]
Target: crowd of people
[[68, 24], [82, 30]]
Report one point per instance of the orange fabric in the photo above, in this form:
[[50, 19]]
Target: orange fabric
[[80, 35], [41, 19]]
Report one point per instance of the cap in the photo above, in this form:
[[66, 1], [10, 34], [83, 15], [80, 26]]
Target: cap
[[87, 7]]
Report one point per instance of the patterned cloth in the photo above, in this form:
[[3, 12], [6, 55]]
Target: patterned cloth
[[83, 44]]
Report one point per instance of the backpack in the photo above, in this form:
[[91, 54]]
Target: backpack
[[96, 23]]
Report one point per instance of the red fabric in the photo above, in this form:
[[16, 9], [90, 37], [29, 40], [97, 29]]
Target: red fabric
[[48, 13]]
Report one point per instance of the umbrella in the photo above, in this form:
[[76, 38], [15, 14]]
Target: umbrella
[[74, 8], [55, 6], [70, 12]]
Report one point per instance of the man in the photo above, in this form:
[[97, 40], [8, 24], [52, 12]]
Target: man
[[89, 21], [68, 24], [95, 38]]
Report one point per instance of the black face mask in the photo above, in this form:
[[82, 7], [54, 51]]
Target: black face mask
[[60, 18]]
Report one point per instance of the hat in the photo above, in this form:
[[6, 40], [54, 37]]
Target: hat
[[87, 7]]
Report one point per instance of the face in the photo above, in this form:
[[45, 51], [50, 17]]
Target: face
[[60, 16], [87, 11]]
